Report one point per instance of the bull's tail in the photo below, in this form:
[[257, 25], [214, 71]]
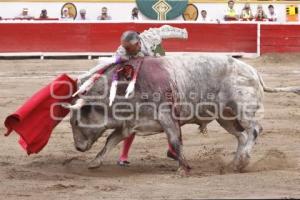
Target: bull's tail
[[295, 89]]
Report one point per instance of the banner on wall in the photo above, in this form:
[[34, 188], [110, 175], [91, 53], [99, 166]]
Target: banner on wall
[[71, 8], [191, 13], [162, 9], [292, 13]]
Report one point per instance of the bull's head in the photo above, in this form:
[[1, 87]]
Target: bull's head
[[88, 121]]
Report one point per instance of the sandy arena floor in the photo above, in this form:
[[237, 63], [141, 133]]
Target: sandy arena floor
[[60, 172]]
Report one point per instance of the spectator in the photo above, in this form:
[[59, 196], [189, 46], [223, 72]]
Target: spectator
[[135, 14], [260, 14], [24, 14], [65, 15], [271, 14], [246, 14], [104, 15], [82, 15], [203, 16], [44, 14], [231, 14]]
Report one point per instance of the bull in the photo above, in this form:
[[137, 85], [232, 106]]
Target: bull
[[170, 92]]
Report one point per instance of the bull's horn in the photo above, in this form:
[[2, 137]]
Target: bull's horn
[[79, 103]]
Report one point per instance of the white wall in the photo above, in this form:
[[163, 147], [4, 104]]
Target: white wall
[[121, 11]]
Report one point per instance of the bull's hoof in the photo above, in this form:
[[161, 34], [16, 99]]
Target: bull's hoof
[[241, 168], [203, 130], [94, 164], [240, 164], [229, 168], [181, 172]]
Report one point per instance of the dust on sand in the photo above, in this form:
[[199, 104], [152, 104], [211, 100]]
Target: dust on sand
[[59, 171]]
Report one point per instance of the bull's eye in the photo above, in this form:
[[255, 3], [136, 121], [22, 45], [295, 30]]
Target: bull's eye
[[99, 109], [85, 110]]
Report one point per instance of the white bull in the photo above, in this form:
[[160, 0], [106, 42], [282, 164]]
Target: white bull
[[191, 89]]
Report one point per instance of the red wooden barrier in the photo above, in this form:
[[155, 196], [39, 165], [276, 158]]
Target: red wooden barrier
[[280, 38], [105, 37]]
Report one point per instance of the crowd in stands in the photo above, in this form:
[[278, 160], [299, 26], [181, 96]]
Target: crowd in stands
[[67, 15], [247, 15], [231, 14]]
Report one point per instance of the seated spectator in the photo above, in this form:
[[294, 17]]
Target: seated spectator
[[24, 14], [260, 14], [44, 14], [104, 15], [203, 16], [82, 15], [231, 14], [135, 14], [246, 14], [271, 14], [65, 15]]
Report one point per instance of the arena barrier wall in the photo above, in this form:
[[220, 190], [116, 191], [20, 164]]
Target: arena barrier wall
[[105, 37], [35, 38], [280, 38]]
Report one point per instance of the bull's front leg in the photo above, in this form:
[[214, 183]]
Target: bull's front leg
[[173, 131], [113, 139]]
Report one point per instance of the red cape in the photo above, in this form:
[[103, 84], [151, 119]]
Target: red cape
[[35, 120]]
